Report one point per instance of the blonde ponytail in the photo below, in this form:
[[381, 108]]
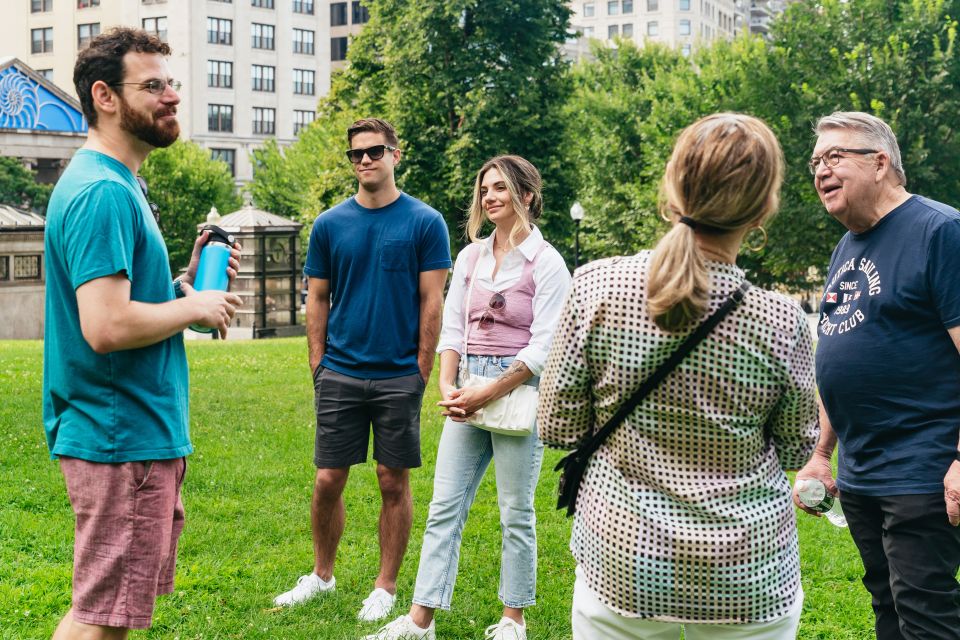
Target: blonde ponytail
[[724, 174], [678, 284]]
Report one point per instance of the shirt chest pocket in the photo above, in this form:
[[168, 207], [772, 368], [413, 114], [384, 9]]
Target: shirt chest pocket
[[397, 255]]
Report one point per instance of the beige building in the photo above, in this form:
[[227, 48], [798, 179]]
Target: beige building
[[251, 69], [676, 23]]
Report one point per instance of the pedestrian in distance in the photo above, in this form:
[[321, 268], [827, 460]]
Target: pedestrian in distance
[[683, 521], [115, 392], [888, 371], [498, 321], [376, 263]]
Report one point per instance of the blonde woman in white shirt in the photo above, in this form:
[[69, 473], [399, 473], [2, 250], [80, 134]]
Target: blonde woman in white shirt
[[520, 284]]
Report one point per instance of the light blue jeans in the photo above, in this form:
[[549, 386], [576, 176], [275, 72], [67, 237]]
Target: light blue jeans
[[462, 458]]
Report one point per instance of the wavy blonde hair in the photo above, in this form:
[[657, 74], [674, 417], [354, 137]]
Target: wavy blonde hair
[[725, 174], [522, 180]]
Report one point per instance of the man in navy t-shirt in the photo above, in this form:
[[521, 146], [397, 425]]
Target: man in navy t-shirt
[[377, 264], [888, 369]]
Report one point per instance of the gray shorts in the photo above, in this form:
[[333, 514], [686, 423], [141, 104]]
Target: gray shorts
[[347, 406]]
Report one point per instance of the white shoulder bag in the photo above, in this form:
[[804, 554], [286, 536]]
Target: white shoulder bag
[[515, 413]]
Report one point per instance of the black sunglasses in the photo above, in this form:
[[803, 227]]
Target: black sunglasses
[[375, 153], [154, 209]]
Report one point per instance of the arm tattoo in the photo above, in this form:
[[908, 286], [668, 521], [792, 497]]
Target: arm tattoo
[[516, 373]]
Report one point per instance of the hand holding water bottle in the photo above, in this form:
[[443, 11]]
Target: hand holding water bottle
[[815, 491]]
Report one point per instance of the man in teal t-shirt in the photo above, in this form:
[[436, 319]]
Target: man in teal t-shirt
[[115, 372]]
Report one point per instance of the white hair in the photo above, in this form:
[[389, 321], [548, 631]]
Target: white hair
[[871, 127]]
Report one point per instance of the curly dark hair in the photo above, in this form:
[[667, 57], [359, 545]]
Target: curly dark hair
[[103, 60]]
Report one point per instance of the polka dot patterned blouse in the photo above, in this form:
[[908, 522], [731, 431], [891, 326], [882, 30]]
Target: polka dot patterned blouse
[[685, 513]]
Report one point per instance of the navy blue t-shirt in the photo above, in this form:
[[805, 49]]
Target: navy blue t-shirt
[[373, 259], [888, 372]]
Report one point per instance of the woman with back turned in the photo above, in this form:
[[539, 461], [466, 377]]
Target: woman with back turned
[[684, 517]]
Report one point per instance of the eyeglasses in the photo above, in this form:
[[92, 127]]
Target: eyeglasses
[[496, 302], [375, 153], [832, 157], [155, 86], [154, 209]]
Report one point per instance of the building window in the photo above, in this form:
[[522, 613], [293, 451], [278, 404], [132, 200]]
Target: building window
[[156, 26], [41, 40], [26, 267], [613, 8], [262, 35], [653, 5], [220, 117], [263, 4], [360, 13], [4, 268], [588, 32], [303, 6], [304, 81], [302, 119], [226, 155], [338, 49], [684, 28], [653, 28], [46, 74], [685, 50], [627, 6], [86, 4], [219, 31], [612, 31], [86, 33], [264, 120], [40, 6], [589, 9], [303, 41], [627, 30], [684, 5], [263, 77], [338, 14], [220, 74]]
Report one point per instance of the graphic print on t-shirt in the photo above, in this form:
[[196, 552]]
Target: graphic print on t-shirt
[[840, 311]]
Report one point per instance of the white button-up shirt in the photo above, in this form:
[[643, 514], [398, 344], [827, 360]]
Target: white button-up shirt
[[551, 281]]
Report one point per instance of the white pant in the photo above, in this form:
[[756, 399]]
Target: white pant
[[593, 620]]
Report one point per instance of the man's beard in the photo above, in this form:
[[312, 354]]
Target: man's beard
[[147, 129]]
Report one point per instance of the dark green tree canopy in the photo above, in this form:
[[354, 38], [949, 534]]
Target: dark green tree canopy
[[19, 188]]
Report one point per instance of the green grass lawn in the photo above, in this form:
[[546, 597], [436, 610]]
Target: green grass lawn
[[247, 538]]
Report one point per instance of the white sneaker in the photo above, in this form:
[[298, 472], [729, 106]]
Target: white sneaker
[[377, 606], [308, 586], [403, 629], [506, 629]]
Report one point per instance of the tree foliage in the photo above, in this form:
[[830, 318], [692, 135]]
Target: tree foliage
[[19, 188], [185, 182], [309, 176], [462, 81], [893, 58]]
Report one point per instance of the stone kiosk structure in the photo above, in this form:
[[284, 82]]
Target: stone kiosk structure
[[21, 274], [269, 276]]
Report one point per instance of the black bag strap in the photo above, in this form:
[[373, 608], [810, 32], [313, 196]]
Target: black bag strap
[[590, 446]]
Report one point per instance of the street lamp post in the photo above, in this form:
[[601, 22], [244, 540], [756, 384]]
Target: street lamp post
[[576, 212]]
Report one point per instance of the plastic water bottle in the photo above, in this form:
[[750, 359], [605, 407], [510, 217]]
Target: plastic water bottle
[[212, 270], [813, 494]]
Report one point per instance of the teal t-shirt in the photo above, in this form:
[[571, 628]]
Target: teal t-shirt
[[122, 406]]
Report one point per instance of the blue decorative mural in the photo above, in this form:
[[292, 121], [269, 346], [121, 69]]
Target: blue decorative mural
[[28, 104]]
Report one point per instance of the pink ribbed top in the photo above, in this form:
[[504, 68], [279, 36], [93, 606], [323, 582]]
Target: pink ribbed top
[[511, 333]]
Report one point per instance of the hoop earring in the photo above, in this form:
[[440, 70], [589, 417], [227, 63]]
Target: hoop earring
[[758, 248]]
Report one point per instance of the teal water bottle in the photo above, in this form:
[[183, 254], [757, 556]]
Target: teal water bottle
[[212, 270]]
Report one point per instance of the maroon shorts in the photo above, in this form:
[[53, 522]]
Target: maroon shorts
[[129, 517]]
